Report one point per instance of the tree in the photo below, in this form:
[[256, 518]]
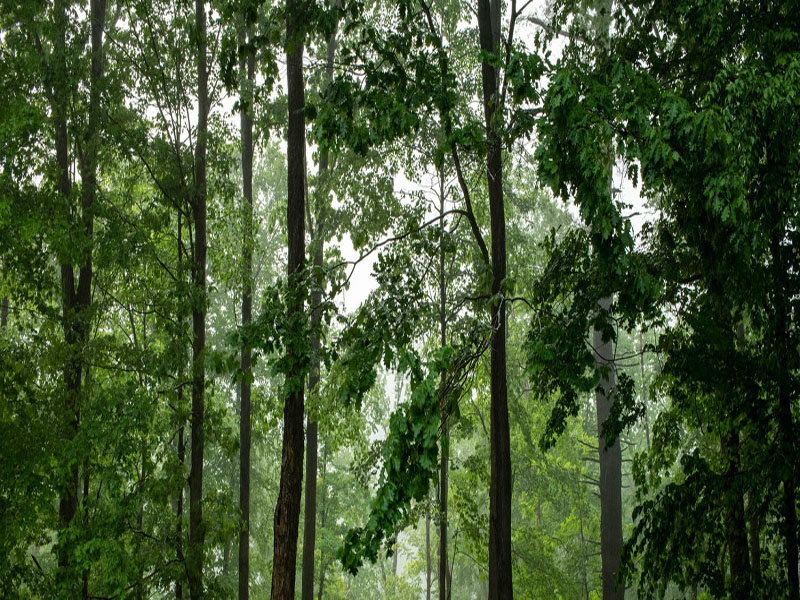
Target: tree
[[287, 510], [247, 69]]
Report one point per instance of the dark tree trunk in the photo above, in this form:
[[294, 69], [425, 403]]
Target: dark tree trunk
[[785, 419], [179, 507], [610, 457], [194, 564], [181, 449], [287, 510], [754, 527], [247, 65], [4, 313], [312, 429], [76, 301], [500, 584], [735, 525], [443, 474]]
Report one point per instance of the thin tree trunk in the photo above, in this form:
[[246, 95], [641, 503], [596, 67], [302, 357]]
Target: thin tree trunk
[[196, 526], [735, 525], [610, 470], [610, 456], [322, 563], [287, 510], [179, 507], [312, 429], [140, 525], [644, 392], [427, 554], [247, 65], [443, 474], [181, 448], [4, 313], [755, 542], [85, 507], [76, 302], [785, 419], [500, 583]]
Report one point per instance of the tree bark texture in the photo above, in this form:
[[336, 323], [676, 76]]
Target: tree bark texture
[[500, 584], [247, 66], [287, 510], [610, 457], [194, 565]]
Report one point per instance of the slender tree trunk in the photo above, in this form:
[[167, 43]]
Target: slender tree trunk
[[644, 392], [4, 313], [76, 301], [140, 525], [68, 502], [181, 451], [194, 565], [247, 66], [785, 419], [312, 429], [443, 474], [755, 542], [287, 510], [610, 457], [500, 583], [322, 563], [179, 507], [85, 508], [427, 554], [735, 525]]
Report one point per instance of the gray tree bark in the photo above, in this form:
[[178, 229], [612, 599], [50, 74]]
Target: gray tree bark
[[610, 457]]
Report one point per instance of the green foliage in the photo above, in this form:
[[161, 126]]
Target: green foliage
[[409, 461]]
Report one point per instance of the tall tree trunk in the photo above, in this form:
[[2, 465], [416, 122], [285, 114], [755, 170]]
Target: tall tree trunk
[[500, 584], [181, 449], [76, 301], [247, 66], [287, 510], [68, 502], [4, 313], [312, 429], [610, 457], [443, 474], [735, 525], [785, 419], [194, 565]]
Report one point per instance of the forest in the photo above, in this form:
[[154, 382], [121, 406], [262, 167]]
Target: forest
[[399, 299]]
